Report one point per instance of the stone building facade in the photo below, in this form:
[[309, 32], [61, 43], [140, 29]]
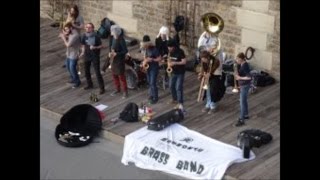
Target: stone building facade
[[247, 23]]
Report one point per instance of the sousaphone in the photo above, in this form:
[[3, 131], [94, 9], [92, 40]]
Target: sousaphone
[[213, 25]]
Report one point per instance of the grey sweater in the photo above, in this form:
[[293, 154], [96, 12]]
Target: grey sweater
[[73, 50]]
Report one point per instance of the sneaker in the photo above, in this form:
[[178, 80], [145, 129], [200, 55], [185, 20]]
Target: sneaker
[[125, 95], [211, 111], [205, 109], [75, 86], [101, 91], [88, 87], [179, 106], [115, 92], [239, 123]]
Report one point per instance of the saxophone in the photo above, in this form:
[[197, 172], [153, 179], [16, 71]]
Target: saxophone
[[111, 56], [235, 72], [145, 65], [169, 68]]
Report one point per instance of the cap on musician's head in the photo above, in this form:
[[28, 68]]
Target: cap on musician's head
[[146, 38], [145, 41], [171, 43]]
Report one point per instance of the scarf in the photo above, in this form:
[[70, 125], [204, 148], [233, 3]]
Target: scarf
[[91, 41]]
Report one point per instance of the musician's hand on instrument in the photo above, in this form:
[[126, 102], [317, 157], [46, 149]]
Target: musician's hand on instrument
[[199, 76], [237, 77], [207, 75], [165, 56], [92, 47], [62, 35], [149, 59]]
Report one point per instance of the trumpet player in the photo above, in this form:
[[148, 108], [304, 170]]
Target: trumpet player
[[177, 61], [75, 18], [210, 70], [72, 42], [244, 78], [151, 67]]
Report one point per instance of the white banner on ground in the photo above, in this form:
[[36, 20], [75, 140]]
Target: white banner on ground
[[180, 151]]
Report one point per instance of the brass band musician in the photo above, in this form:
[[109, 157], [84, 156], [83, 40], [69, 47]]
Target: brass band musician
[[177, 61], [151, 67], [215, 85]]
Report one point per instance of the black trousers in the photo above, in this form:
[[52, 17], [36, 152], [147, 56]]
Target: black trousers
[[96, 67]]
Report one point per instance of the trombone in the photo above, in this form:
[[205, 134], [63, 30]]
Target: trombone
[[204, 81]]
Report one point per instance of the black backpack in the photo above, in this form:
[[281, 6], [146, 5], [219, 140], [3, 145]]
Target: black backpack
[[250, 138], [263, 79], [104, 29], [130, 113], [179, 23]]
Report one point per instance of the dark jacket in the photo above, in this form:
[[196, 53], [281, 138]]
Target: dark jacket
[[120, 47], [216, 82], [89, 54]]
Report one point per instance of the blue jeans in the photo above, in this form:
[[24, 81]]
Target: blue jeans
[[210, 104], [176, 86], [152, 75], [244, 90], [71, 65]]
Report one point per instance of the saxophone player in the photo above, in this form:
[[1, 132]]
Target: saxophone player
[[244, 78], [210, 69], [151, 60], [177, 63]]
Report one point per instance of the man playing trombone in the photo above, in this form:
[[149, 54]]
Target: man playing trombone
[[211, 81]]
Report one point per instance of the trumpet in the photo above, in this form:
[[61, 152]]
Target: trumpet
[[235, 72]]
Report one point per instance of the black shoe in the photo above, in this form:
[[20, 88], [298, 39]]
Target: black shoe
[[63, 66], [246, 117], [239, 123], [88, 87], [101, 91], [153, 101]]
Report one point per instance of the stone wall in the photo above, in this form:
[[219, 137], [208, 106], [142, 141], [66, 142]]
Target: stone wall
[[254, 23]]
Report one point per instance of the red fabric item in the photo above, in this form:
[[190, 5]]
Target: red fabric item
[[123, 80]]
